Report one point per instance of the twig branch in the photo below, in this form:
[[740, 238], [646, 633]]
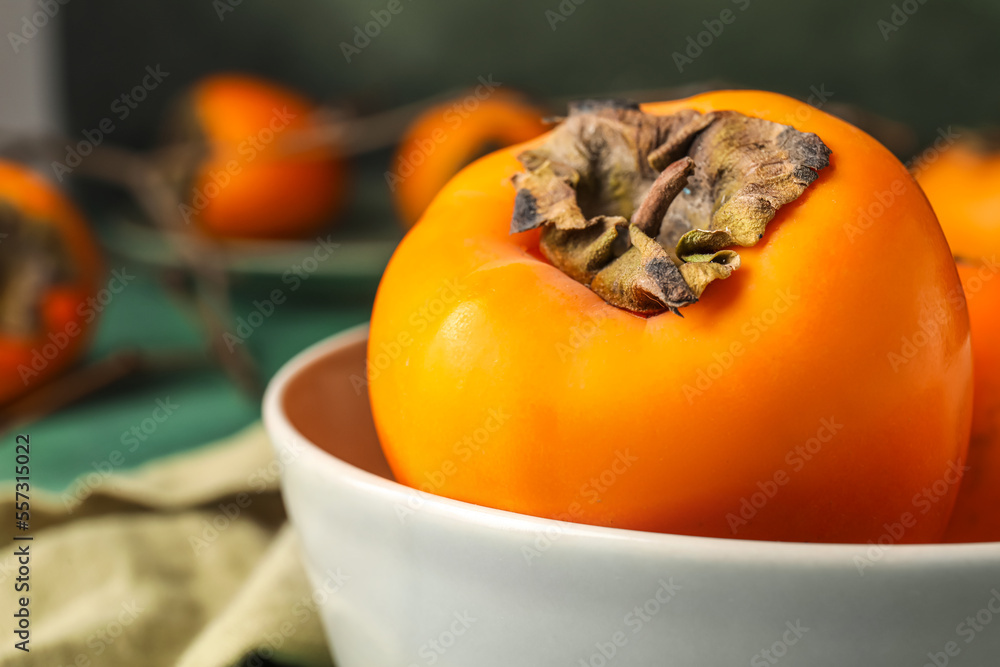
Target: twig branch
[[85, 380], [146, 182]]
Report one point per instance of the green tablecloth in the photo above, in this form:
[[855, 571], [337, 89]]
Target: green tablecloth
[[84, 436]]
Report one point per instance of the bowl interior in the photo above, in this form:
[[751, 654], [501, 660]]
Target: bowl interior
[[333, 414]]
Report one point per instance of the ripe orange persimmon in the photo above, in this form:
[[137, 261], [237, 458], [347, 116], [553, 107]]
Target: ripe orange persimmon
[[254, 183], [49, 267], [963, 185], [977, 512], [449, 136], [821, 393]]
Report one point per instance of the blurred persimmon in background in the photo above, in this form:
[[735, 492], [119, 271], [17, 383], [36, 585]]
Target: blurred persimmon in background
[[963, 185], [977, 511], [50, 268], [266, 171], [449, 136]]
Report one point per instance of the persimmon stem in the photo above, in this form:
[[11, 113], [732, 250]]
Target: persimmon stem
[[649, 216]]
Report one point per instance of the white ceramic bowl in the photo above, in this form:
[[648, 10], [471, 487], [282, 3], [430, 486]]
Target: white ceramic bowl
[[415, 579]]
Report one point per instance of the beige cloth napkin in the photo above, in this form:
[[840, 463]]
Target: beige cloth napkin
[[187, 561]]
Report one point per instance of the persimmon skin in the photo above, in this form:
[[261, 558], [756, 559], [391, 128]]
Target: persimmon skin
[[721, 414], [270, 194], [442, 140], [64, 308]]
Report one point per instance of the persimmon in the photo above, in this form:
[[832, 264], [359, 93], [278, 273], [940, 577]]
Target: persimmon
[[50, 268], [449, 136], [817, 388], [256, 181], [977, 511], [963, 185]]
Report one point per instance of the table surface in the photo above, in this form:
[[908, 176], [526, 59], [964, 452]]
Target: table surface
[[205, 405]]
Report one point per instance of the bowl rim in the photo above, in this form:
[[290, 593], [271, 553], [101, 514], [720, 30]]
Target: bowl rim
[[277, 422]]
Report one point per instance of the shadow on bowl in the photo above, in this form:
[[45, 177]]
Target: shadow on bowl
[[406, 579]]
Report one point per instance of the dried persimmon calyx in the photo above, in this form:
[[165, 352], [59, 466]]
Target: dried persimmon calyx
[[33, 260], [645, 209]]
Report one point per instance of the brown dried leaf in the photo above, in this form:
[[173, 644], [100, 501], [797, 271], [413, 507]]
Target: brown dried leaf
[[724, 176], [644, 279], [546, 195], [683, 131], [700, 270], [33, 259], [581, 253], [746, 169]]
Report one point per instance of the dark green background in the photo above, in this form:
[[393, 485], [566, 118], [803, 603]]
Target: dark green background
[[938, 69]]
